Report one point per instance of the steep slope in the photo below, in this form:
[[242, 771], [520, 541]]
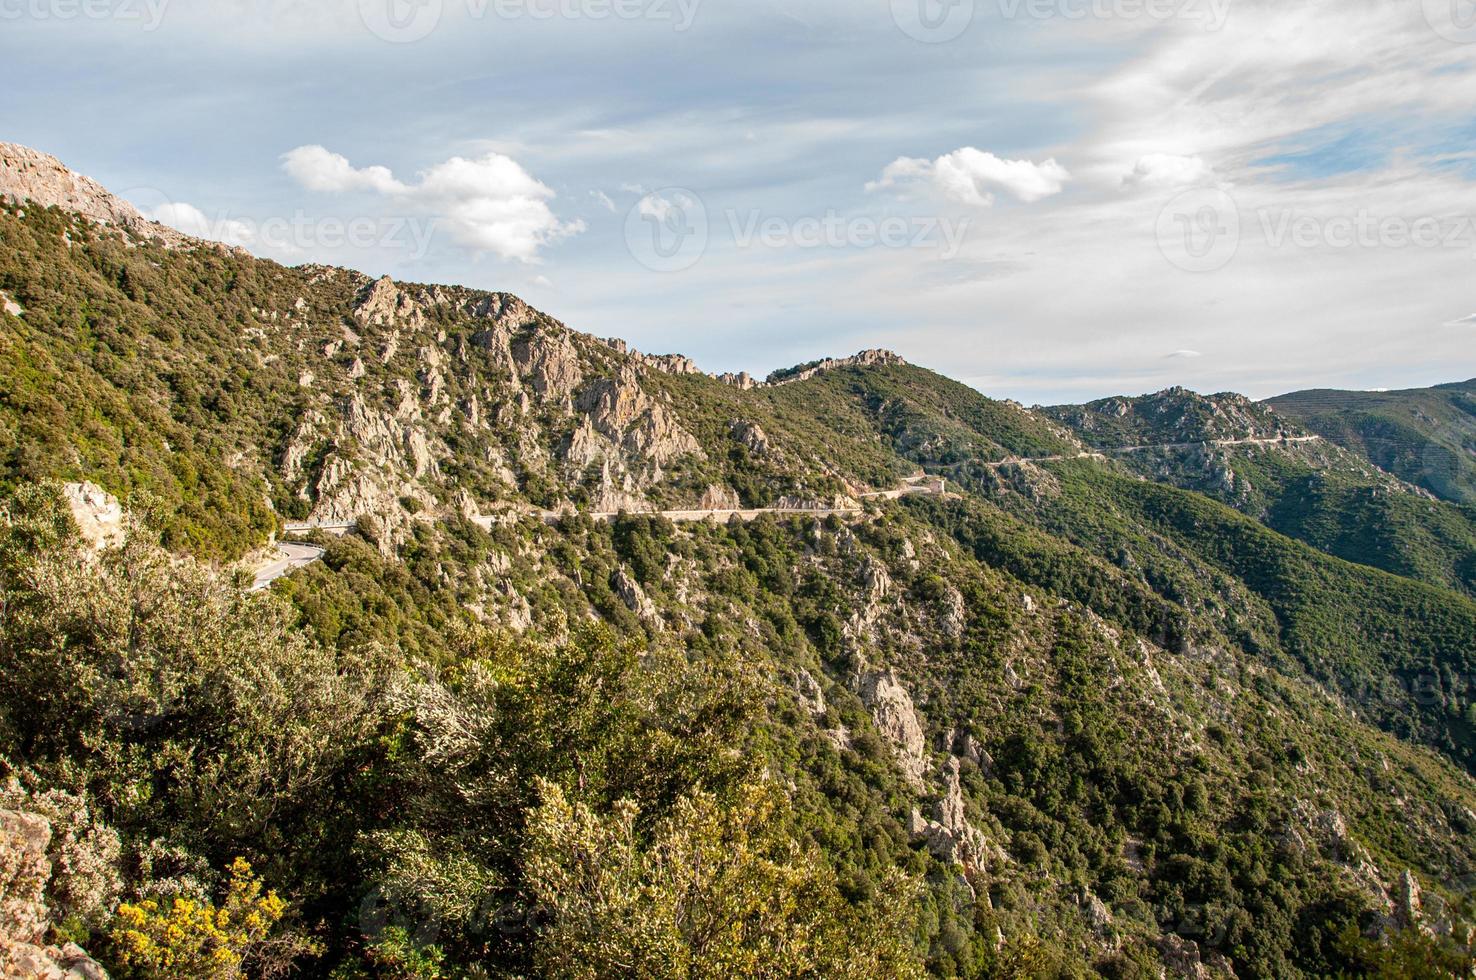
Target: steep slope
[[1424, 435], [1101, 724], [1266, 466]]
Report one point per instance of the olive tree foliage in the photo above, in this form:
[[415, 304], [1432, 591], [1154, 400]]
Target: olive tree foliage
[[185, 706], [717, 888]]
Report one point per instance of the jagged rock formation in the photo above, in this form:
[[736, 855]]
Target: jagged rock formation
[[896, 719], [632, 423], [28, 175], [948, 833], [866, 358], [25, 920], [634, 597], [751, 436]]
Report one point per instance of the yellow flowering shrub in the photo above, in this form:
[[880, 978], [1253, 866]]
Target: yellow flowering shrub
[[183, 937]]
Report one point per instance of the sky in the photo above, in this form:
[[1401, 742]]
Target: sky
[[1050, 200]]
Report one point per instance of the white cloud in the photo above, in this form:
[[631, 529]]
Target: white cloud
[[603, 200], [192, 221], [317, 169], [1166, 170], [971, 176], [489, 203], [1184, 354]]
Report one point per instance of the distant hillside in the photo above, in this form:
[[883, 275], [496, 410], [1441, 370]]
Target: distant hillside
[[1424, 435]]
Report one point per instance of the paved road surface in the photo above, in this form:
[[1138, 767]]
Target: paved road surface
[[1104, 453], [290, 555]]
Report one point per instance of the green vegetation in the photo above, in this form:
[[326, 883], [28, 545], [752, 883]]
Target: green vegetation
[[1077, 718], [1424, 435]]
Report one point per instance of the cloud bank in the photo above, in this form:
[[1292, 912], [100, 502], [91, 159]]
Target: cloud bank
[[489, 203]]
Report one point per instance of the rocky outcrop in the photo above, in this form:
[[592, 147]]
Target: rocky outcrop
[[28, 175], [667, 363], [549, 361], [719, 498], [384, 304], [25, 871], [9, 305], [1409, 907], [633, 422], [1183, 960], [97, 514], [948, 834], [1325, 832], [811, 695], [866, 358], [953, 613], [634, 597], [895, 717], [363, 462], [743, 381], [751, 436]]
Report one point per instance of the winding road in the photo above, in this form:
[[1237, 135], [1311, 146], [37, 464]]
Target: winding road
[[1125, 450], [291, 555]]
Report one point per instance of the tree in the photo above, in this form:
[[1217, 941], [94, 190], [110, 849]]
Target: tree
[[718, 889]]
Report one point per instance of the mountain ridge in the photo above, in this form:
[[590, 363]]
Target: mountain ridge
[[1113, 715]]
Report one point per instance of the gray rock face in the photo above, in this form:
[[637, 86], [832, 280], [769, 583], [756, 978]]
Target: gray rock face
[[1409, 909], [550, 363], [949, 835], [632, 422], [43, 180], [634, 597], [751, 436], [811, 696], [896, 718], [718, 498], [24, 871]]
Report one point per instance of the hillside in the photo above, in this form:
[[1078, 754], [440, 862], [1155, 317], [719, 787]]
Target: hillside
[[1426, 436], [1303, 485], [1082, 713]]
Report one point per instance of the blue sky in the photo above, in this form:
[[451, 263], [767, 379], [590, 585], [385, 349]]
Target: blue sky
[[1049, 199]]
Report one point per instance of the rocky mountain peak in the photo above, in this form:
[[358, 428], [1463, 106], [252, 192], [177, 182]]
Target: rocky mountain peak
[[28, 175], [875, 357]]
